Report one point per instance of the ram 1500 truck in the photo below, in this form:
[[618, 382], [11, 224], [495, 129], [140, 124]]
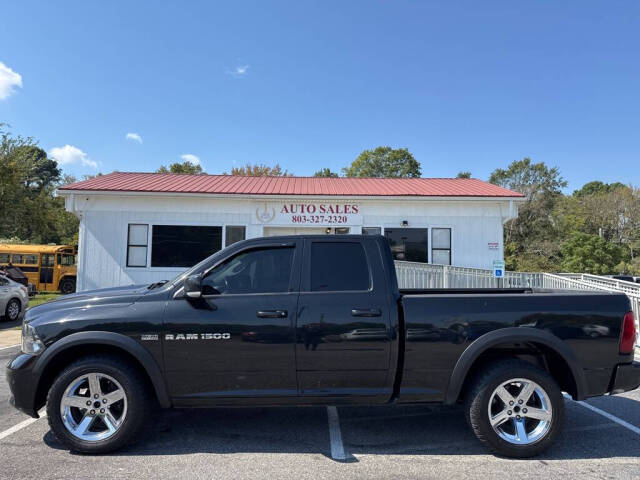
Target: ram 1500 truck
[[318, 320]]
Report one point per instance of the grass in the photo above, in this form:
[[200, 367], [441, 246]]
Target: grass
[[41, 298]]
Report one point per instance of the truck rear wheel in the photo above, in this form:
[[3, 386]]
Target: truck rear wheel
[[516, 409], [97, 404]]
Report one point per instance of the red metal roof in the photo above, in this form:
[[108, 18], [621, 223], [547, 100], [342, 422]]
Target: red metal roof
[[241, 185]]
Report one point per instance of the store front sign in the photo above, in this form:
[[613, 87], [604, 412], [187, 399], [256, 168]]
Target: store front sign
[[321, 213]]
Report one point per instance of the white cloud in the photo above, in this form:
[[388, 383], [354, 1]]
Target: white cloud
[[9, 81], [70, 155], [134, 137], [238, 71], [189, 157]]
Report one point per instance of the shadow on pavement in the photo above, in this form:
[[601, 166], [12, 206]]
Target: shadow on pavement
[[386, 430]]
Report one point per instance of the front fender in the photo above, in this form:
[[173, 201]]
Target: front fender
[[123, 342], [510, 335]]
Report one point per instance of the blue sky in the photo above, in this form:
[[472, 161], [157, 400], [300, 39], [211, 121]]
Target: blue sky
[[463, 85]]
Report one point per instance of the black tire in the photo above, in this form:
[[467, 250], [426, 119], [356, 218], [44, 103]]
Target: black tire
[[479, 396], [67, 286], [137, 397], [13, 305]]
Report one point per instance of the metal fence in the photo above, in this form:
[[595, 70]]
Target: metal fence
[[423, 275]]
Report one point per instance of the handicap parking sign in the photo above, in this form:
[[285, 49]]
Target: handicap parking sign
[[498, 268]]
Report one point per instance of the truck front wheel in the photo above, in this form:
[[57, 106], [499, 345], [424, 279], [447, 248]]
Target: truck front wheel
[[97, 404], [516, 409]]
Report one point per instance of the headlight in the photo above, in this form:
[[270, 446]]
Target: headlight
[[31, 344]]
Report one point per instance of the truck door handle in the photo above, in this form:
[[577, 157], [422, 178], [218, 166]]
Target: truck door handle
[[366, 312], [272, 313]]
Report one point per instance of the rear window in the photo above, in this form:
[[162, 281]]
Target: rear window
[[339, 266]]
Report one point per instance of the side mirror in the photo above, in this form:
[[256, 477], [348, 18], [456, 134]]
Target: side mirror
[[193, 286]]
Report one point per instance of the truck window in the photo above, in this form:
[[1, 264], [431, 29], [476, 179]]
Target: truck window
[[265, 270], [339, 266]]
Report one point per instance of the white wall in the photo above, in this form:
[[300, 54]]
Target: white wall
[[105, 219]]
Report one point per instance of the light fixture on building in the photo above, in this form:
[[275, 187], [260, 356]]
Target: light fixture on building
[[328, 230], [405, 223]]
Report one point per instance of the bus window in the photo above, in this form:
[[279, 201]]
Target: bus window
[[17, 258], [66, 260], [4, 258], [31, 259]]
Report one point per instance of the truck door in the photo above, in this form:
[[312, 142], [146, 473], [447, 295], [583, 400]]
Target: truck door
[[343, 332], [238, 339]]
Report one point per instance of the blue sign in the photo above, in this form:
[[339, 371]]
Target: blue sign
[[498, 268]]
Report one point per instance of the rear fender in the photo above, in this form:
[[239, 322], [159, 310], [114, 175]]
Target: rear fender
[[510, 335]]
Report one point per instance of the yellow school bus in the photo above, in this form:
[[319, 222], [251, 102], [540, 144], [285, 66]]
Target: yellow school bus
[[48, 267]]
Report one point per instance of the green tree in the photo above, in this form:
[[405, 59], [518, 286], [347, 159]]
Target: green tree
[[29, 211], [184, 167], [463, 175], [326, 172], [384, 162], [586, 253], [597, 187], [533, 235], [260, 170]]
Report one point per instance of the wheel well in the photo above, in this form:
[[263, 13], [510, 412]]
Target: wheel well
[[69, 355], [537, 354], [65, 278]]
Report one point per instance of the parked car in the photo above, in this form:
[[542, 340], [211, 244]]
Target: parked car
[[14, 299], [318, 320]]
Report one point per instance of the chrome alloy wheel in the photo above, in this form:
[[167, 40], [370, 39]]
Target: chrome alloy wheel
[[93, 407], [520, 411], [13, 310]]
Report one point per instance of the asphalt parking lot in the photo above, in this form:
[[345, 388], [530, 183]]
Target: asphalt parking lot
[[354, 442]]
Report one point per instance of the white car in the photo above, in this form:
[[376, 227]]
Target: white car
[[14, 299]]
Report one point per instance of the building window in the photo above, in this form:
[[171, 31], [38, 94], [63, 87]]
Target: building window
[[341, 230], [410, 244], [137, 241], [441, 246], [234, 234], [337, 266], [183, 246], [371, 231]]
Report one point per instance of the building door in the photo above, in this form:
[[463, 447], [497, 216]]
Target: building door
[[343, 331], [237, 340]]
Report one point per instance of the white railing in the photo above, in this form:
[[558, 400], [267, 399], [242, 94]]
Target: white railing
[[423, 275]]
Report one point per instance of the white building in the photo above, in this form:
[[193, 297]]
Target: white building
[[145, 227]]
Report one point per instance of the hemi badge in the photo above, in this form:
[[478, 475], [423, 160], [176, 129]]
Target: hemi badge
[[149, 337]]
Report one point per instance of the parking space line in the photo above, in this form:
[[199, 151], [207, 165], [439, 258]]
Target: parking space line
[[20, 426], [10, 346], [335, 436], [607, 415]]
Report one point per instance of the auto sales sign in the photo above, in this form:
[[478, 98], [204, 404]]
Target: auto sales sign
[[321, 213]]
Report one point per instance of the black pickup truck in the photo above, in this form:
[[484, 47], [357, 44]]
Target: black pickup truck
[[318, 320]]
